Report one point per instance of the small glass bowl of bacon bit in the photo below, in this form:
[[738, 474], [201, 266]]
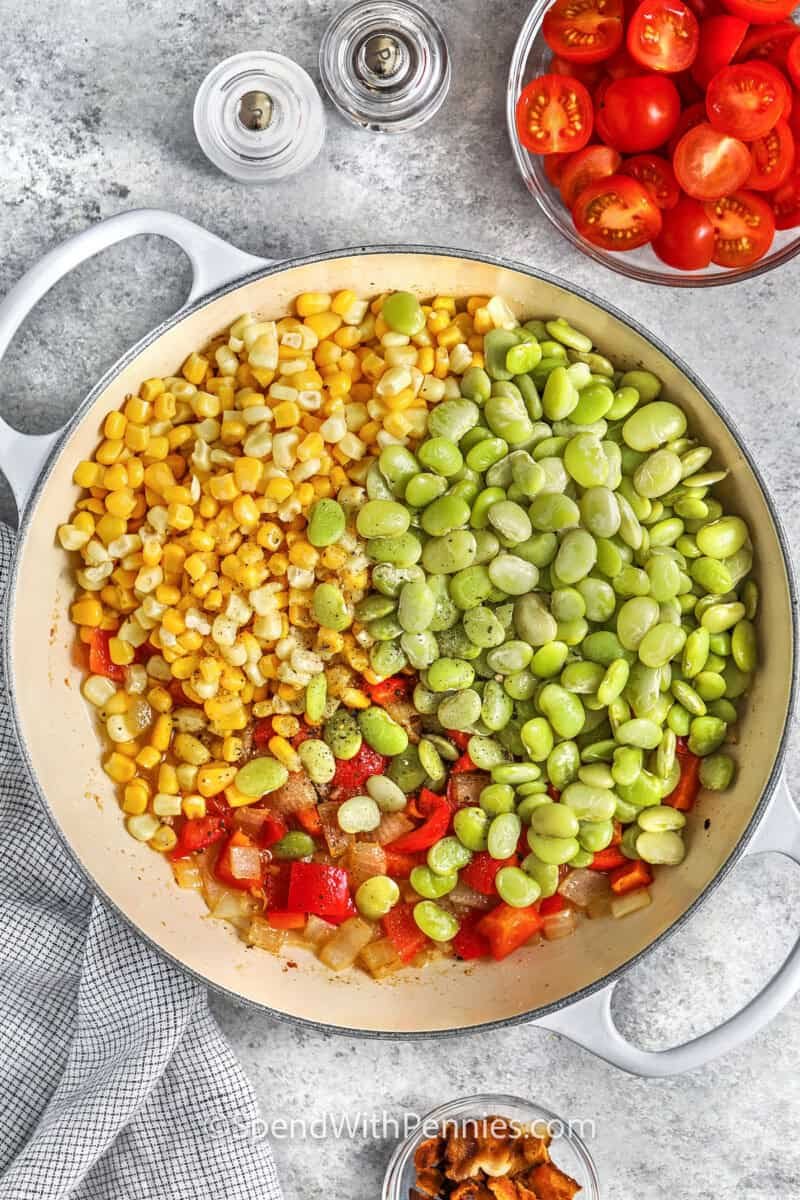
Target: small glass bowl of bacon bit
[[662, 137], [494, 1147]]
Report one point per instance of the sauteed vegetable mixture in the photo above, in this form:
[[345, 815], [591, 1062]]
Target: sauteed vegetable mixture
[[413, 630]]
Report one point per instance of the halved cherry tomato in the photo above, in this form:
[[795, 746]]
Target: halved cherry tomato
[[786, 202], [589, 74], [583, 168], [554, 115], [584, 32], [746, 99], [695, 114], [744, 226], [773, 158], [793, 119], [760, 12], [793, 61], [770, 42], [616, 213], [709, 164], [663, 35], [655, 174], [638, 113], [554, 165], [720, 38], [686, 241]]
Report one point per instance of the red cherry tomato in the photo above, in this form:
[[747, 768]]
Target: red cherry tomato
[[656, 175], [616, 213], [710, 164], [638, 113], [663, 35], [793, 61], [695, 114], [621, 65], [793, 119], [746, 99], [720, 38], [589, 74], [585, 32], [554, 115], [744, 226], [703, 9], [786, 202], [686, 241], [773, 158], [770, 42], [760, 12], [583, 168], [554, 165]]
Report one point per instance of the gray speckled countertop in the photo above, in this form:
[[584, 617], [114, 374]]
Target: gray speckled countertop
[[96, 102]]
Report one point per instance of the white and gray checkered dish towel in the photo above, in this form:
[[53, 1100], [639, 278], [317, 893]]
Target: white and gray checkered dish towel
[[114, 1078]]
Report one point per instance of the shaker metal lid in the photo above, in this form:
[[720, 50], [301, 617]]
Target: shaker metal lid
[[259, 117], [385, 64]]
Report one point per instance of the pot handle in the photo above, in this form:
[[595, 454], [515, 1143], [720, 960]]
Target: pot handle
[[214, 262], [589, 1021]]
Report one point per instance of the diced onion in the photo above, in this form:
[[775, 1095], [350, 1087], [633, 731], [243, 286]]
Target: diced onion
[[261, 934], [582, 886], [245, 862], [623, 906], [463, 896], [342, 950], [560, 924]]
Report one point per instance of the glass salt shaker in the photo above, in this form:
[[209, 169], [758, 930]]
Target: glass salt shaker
[[385, 65], [258, 117]]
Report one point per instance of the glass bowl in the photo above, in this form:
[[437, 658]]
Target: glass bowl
[[530, 58], [567, 1149]]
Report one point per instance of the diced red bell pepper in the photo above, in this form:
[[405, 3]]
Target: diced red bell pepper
[[608, 859], [399, 865], [403, 932], [464, 763], [396, 687], [506, 928], [309, 819], [459, 738], [271, 831], [262, 731], [469, 943], [432, 829], [276, 887], [197, 834], [223, 870], [684, 794], [348, 911], [617, 835], [481, 872], [633, 875], [353, 773], [282, 919], [552, 905], [553, 792], [100, 657], [303, 734], [320, 889]]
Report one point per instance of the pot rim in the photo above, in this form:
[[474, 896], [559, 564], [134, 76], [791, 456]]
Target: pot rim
[[277, 267]]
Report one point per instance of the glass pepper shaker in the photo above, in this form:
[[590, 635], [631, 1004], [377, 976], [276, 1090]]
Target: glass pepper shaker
[[258, 117], [385, 65]]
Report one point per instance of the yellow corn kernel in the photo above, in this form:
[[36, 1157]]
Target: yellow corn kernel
[[148, 757], [168, 780], [303, 554], [164, 839], [159, 699], [151, 389], [151, 554], [425, 360], [482, 321], [327, 354], [109, 451], [161, 732], [137, 410], [121, 653], [109, 528], [117, 705], [369, 432], [447, 303], [232, 679], [87, 612], [334, 557], [449, 337], [441, 366], [355, 698], [115, 477], [279, 489], [286, 726], [214, 777], [180, 516], [324, 324], [158, 448], [285, 752], [165, 407], [329, 639], [347, 337], [287, 414], [114, 425], [137, 438], [194, 369], [246, 512], [311, 446], [208, 507], [119, 768], [232, 749], [121, 503], [173, 559], [305, 494], [397, 424], [247, 472], [136, 797], [88, 474], [343, 301], [223, 487], [438, 321], [183, 668], [84, 521], [476, 302], [193, 806], [309, 304]]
